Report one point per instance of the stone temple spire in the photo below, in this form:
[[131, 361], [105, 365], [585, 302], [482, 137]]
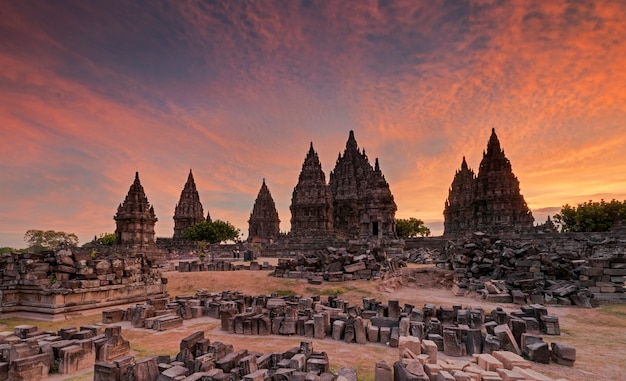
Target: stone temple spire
[[263, 223], [459, 209], [188, 211], [378, 216], [135, 218], [498, 203], [348, 184], [311, 201]]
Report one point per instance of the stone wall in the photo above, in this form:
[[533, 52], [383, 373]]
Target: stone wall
[[49, 284]]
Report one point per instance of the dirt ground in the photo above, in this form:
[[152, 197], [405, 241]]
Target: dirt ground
[[599, 335]]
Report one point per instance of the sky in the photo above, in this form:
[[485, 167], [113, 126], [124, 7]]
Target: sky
[[93, 91]]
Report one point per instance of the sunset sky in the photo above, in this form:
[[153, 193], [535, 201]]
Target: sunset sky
[[92, 91]]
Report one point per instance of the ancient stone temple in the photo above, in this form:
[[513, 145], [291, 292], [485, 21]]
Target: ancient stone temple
[[459, 208], [188, 211], [135, 218], [311, 202], [263, 224], [377, 219], [497, 205], [362, 201]]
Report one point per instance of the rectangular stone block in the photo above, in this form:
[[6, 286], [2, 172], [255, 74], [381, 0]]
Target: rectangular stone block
[[430, 347], [488, 362], [511, 360]]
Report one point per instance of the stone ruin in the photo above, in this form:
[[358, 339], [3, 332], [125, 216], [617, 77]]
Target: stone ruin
[[338, 265], [495, 339], [549, 269], [49, 284], [201, 359], [491, 201], [27, 354]]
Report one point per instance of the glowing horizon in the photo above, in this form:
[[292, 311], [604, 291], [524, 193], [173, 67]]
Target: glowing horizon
[[92, 92]]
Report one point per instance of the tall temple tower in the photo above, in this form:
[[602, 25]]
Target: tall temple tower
[[135, 218], [363, 205], [311, 201], [498, 203], [263, 223], [489, 202], [378, 217], [348, 183], [459, 209], [188, 211]]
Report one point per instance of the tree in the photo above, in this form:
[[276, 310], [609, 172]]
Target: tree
[[212, 232], [39, 240], [590, 216], [106, 239], [6, 249], [411, 227]]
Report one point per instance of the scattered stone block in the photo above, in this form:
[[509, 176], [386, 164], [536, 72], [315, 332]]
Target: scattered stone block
[[563, 354], [489, 362]]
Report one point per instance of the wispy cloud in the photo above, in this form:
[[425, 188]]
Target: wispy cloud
[[92, 92]]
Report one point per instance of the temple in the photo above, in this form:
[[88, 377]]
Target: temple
[[135, 218], [311, 201], [263, 224], [459, 207], [188, 211], [363, 206], [490, 202]]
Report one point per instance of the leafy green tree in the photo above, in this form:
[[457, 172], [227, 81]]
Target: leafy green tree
[[106, 239], [212, 232], [590, 216], [39, 240], [7, 249], [411, 227]]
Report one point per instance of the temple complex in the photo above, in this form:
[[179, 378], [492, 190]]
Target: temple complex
[[188, 211], [135, 218], [490, 202], [362, 202], [263, 224], [311, 202]]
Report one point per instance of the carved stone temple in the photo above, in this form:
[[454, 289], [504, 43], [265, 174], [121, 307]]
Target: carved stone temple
[[263, 224], [490, 202], [188, 211], [135, 218], [363, 205], [311, 201]]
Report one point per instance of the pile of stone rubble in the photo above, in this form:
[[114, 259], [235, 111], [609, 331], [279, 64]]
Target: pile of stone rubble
[[73, 270], [532, 271], [199, 359], [28, 354], [337, 265]]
